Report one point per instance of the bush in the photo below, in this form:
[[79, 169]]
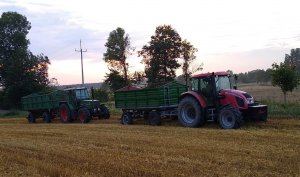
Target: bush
[[101, 94], [283, 110]]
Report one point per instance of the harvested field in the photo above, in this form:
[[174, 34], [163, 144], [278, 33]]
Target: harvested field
[[270, 93], [106, 148]]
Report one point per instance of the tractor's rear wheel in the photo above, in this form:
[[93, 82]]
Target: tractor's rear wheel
[[84, 115], [31, 118], [46, 117], [154, 118], [65, 113], [230, 118], [127, 118], [190, 113]]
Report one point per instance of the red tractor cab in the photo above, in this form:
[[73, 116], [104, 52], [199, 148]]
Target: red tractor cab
[[213, 98]]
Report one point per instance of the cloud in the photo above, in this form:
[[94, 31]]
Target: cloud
[[244, 61], [228, 34]]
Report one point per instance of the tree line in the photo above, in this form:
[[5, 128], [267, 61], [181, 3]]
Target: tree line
[[160, 57], [23, 73], [256, 76]]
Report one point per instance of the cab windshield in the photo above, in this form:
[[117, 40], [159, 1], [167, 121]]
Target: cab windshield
[[82, 94], [222, 82]]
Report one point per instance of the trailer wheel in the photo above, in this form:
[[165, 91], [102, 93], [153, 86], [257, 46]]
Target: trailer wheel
[[190, 113], [84, 115], [46, 117], [65, 113], [31, 118], [154, 118], [127, 118], [230, 118]]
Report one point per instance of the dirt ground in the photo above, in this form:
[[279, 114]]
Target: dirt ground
[[107, 148]]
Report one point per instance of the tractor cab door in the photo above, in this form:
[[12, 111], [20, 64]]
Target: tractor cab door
[[204, 86]]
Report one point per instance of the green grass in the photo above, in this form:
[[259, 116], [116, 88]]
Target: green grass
[[273, 97], [112, 109], [12, 113], [283, 110]]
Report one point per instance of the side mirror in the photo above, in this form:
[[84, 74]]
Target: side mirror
[[235, 87]]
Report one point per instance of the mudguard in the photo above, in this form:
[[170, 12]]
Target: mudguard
[[195, 95]]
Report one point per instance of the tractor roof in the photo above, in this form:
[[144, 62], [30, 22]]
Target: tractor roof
[[75, 88], [221, 73]]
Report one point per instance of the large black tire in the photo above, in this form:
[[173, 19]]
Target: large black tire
[[105, 112], [46, 117], [65, 113], [127, 118], [230, 118], [31, 118], [190, 113], [84, 115], [154, 118]]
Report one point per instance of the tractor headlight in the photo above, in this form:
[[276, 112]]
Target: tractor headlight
[[250, 100]]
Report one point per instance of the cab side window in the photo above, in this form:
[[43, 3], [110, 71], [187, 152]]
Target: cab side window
[[195, 85]]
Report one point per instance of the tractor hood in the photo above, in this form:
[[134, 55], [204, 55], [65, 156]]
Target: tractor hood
[[242, 98], [90, 103], [231, 91]]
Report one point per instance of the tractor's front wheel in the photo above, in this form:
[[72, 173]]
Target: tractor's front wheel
[[84, 115], [190, 113], [65, 113], [105, 112], [230, 118]]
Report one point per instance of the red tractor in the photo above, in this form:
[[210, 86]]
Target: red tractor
[[213, 98]]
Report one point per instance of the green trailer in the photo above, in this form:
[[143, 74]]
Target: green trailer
[[152, 104], [69, 104]]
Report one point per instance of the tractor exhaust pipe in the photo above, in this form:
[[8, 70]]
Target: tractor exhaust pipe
[[93, 95]]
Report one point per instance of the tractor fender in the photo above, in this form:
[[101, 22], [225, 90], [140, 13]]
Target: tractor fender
[[195, 95], [69, 105]]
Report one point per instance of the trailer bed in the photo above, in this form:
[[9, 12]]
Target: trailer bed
[[165, 96]]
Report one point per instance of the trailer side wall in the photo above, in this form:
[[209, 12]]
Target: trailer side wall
[[164, 96]]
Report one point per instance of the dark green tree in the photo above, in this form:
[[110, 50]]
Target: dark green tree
[[101, 94], [21, 72], [188, 55], [160, 56], [293, 59], [114, 80], [284, 76], [137, 77], [117, 50]]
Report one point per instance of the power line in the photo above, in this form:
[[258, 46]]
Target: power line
[[82, 77]]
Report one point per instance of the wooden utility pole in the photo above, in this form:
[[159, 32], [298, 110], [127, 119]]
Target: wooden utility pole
[[82, 76]]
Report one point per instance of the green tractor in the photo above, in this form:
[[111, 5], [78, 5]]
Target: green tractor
[[69, 104]]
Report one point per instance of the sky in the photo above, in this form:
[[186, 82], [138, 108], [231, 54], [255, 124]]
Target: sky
[[229, 34]]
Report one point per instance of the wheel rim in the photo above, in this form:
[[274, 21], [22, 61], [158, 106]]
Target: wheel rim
[[125, 119], [64, 113], [188, 113], [228, 119], [45, 117], [81, 116]]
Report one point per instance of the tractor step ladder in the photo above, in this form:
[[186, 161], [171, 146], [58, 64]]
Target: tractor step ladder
[[211, 114]]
